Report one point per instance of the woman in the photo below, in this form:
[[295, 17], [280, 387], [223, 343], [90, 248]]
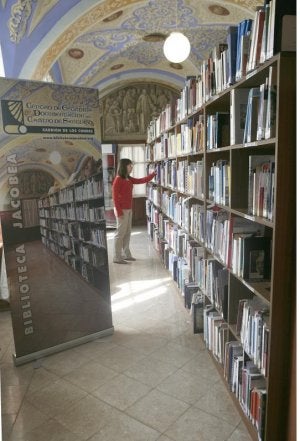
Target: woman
[[122, 197]]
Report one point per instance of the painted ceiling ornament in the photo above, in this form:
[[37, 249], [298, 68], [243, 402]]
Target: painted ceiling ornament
[[145, 53], [249, 4], [92, 17], [111, 39], [17, 24], [115, 43], [205, 39], [157, 14]]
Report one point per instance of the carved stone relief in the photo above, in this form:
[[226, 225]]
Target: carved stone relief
[[126, 113]]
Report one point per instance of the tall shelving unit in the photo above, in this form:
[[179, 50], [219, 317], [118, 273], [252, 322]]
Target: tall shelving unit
[[172, 229], [72, 224]]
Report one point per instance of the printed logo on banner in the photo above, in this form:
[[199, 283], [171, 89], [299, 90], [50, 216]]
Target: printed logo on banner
[[13, 117]]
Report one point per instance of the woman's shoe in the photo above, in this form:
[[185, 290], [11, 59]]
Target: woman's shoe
[[120, 261], [132, 259]]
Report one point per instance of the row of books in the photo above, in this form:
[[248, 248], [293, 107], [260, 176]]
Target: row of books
[[216, 286], [247, 45], [187, 177], [238, 243], [95, 257], [94, 236], [251, 117], [251, 256], [215, 332], [91, 188], [82, 212], [187, 214], [246, 381], [253, 328], [261, 186], [219, 182]]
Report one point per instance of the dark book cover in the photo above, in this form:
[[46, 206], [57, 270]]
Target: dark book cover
[[222, 129], [256, 258]]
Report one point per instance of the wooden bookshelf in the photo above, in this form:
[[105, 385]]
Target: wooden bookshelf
[[278, 291], [72, 224]]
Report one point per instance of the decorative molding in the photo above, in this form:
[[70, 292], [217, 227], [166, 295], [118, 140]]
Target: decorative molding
[[91, 18], [17, 24], [126, 112], [42, 8], [161, 14]]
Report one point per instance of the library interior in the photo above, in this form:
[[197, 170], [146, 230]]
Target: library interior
[[191, 333]]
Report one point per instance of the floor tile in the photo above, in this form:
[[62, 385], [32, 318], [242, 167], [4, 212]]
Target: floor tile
[[63, 362], [28, 419], [240, 434], [150, 371], [90, 376], [157, 410], [203, 366], [51, 430], [93, 349], [191, 341], [12, 397], [7, 425], [174, 354], [120, 358], [86, 417], [40, 379], [56, 397], [218, 402], [196, 425], [144, 342], [103, 390], [185, 386], [125, 428], [121, 392], [16, 376]]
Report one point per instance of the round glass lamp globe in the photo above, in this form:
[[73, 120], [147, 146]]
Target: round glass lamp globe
[[55, 157], [177, 47]]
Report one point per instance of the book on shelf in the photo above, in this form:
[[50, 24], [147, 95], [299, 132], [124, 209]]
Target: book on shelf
[[240, 316], [250, 131], [256, 258], [190, 288], [232, 349], [243, 40], [261, 185], [244, 28], [262, 110], [197, 312], [232, 53], [270, 129], [238, 112], [240, 225]]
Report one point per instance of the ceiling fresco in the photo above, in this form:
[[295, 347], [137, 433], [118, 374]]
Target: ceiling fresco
[[104, 43]]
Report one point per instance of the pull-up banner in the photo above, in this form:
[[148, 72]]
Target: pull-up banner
[[52, 216]]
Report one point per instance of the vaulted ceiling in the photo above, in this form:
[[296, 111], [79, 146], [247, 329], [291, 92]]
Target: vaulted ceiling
[[104, 43]]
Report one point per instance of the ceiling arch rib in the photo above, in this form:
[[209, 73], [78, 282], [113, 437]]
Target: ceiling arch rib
[[116, 29]]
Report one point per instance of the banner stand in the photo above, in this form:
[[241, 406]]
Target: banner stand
[[53, 217], [18, 361]]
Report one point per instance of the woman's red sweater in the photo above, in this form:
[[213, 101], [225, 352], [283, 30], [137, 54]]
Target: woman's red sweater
[[122, 191]]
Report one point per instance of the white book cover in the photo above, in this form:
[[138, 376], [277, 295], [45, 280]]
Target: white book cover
[[238, 111]]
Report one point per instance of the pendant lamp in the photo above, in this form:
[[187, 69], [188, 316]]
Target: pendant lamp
[[176, 46]]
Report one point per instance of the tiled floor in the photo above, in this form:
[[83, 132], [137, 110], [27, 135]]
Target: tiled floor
[[151, 381]]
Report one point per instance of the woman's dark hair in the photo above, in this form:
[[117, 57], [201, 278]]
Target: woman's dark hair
[[122, 168]]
